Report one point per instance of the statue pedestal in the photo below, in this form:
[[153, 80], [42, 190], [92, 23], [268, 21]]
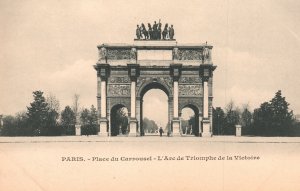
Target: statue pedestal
[[77, 130], [238, 130], [133, 128], [176, 128], [103, 128], [206, 128]]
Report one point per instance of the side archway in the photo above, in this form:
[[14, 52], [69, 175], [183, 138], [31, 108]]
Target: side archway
[[190, 126], [119, 120]]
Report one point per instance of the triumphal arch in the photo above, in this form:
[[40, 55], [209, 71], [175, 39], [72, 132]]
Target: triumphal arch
[[125, 72]]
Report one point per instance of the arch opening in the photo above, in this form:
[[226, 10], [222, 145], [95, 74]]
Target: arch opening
[[189, 120], [119, 120], [154, 109]]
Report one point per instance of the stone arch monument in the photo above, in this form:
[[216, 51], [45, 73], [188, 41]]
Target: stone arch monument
[[125, 72]]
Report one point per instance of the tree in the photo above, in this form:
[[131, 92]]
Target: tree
[[22, 124], [53, 102], [273, 118], [68, 116], [149, 126], [68, 120], [84, 117], [219, 121], [246, 120], [232, 118], [53, 115], [93, 116], [89, 121], [282, 117], [246, 116], [93, 121], [9, 126], [37, 114], [119, 118]]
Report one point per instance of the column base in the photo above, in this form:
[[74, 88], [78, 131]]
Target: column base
[[206, 128], [78, 130], [176, 131], [103, 128], [133, 132]]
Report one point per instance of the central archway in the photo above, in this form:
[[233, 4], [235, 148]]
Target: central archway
[[154, 85]]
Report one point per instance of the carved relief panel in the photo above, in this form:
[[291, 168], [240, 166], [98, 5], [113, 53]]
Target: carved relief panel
[[190, 86], [118, 90], [190, 90], [189, 54], [118, 54]]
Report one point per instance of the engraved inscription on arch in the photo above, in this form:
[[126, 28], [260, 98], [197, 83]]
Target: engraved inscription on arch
[[189, 80], [124, 79]]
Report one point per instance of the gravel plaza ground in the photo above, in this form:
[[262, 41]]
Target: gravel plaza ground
[[150, 163]]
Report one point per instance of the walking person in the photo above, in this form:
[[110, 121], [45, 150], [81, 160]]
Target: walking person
[[161, 131]]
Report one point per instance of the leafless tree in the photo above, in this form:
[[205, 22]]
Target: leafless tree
[[53, 102], [75, 106]]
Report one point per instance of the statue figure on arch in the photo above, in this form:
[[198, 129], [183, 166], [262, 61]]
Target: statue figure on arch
[[138, 32], [171, 32], [165, 32]]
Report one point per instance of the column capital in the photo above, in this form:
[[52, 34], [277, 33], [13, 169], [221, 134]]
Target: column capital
[[206, 71], [103, 71], [133, 71], [175, 71]]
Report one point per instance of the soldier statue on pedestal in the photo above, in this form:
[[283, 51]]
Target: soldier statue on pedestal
[[155, 32], [138, 32], [171, 32]]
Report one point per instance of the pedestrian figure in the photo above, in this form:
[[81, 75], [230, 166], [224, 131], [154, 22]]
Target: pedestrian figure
[[161, 131]]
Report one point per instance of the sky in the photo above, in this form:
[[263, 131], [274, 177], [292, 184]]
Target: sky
[[52, 46]]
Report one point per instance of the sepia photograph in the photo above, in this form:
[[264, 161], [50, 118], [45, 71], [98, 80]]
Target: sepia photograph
[[155, 95]]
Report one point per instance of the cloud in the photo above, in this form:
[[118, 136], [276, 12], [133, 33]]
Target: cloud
[[243, 78], [79, 78]]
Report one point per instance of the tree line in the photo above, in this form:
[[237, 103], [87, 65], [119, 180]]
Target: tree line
[[272, 118], [43, 118]]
